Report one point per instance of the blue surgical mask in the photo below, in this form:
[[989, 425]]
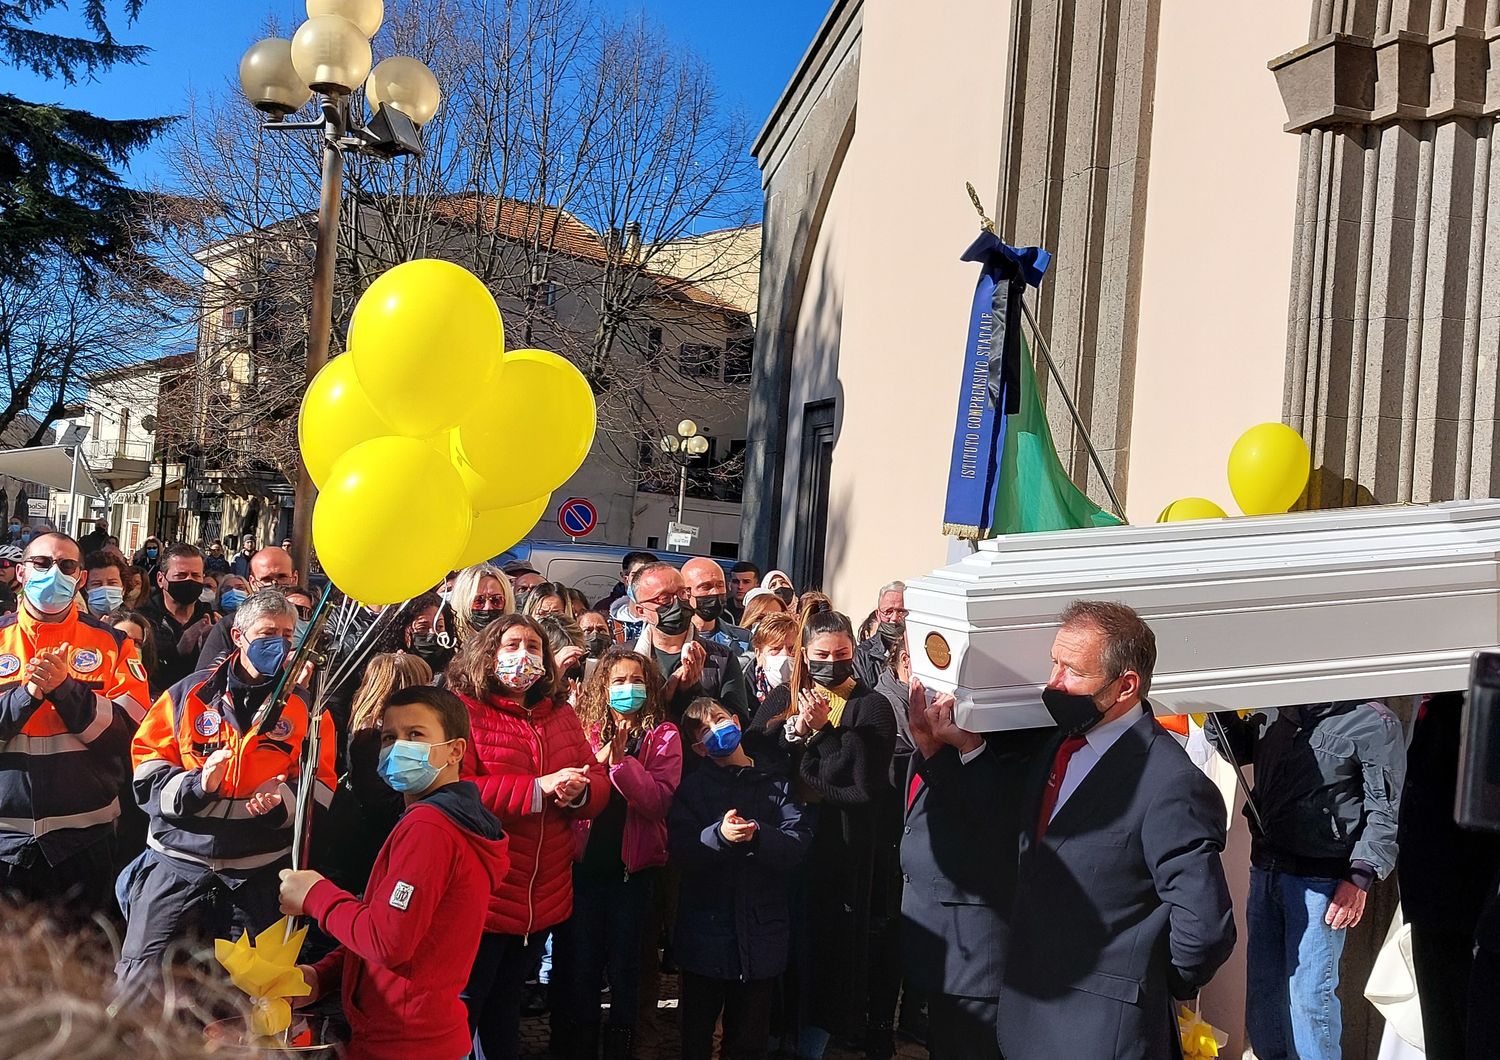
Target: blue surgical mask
[[105, 598], [627, 699], [722, 739], [407, 766], [298, 629], [231, 599], [50, 591], [267, 654]]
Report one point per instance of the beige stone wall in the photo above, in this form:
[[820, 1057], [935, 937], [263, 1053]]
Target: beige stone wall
[[929, 118], [1219, 212]]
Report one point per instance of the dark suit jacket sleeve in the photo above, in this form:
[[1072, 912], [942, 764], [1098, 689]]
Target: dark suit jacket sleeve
[[1182, 838]]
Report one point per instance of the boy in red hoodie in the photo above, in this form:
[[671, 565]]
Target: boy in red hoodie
[[408, 945]]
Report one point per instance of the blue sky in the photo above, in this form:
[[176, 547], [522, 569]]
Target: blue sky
[[753, 49]]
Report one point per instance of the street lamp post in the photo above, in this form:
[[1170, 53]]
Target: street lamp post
[[330, 55], [683, 447]]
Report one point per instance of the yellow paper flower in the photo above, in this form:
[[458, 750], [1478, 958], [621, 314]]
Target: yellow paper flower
[[266, 969], [1200, 1040]]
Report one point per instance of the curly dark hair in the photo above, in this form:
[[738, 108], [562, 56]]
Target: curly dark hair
[[593, 698], [472, 672]]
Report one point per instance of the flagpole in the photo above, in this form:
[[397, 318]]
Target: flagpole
[[1062, 389], [1088, 443]]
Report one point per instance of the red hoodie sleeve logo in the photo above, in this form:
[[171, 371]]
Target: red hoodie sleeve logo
[[401, 894]]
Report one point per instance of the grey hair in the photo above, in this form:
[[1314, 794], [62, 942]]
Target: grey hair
[[268, 603], [891, 587]]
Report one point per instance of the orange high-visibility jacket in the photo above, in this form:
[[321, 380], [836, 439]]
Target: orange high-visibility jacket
[[193, 719], [63, 759]]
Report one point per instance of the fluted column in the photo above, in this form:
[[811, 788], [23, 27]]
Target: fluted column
[[1394, 321]]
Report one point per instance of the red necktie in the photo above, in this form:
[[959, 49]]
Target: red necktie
[[1065, 753], [912, 789]]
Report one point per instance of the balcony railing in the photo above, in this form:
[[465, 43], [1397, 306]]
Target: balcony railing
[[102, 453]]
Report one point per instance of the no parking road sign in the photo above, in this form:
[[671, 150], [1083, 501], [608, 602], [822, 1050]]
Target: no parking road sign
[[577, 517]]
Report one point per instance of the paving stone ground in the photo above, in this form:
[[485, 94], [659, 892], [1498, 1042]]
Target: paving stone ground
[[659, 1042]]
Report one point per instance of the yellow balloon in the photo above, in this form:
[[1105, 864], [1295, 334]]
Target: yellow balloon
[[1190, 508], [1268, 469], [374, 488], [426, 340], [336, 416], [533, 446], [499, 528]]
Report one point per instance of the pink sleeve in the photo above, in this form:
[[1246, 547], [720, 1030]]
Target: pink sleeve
[[648, 785]]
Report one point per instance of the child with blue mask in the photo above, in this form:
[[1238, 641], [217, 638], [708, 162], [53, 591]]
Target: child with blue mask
[[407, 945], [623, 711], [738, 835]]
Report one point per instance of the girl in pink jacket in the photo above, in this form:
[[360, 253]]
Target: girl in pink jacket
[[621, 851]]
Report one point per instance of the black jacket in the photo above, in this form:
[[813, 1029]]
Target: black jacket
[[958, 860], [1120, 908], [870, 660], [1447, 872], [172, 663], [734, 920], [722, 679], [1328, 780]]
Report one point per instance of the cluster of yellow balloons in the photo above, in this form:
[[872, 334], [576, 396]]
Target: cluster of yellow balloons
[[1268, 470], [433, 448]]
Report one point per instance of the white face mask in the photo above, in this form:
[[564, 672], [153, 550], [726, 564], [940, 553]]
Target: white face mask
[[777, 669]]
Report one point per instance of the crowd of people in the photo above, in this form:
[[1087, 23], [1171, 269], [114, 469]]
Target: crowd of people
[[524, 799]]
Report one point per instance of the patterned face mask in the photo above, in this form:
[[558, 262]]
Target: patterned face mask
[[519, 670]]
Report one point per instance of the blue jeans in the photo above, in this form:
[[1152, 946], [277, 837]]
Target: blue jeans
[[1292, 1011]]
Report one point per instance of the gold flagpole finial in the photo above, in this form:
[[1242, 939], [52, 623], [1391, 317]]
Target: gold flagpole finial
[[984, 220]]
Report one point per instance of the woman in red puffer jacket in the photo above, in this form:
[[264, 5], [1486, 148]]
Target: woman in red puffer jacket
[[536, 772]]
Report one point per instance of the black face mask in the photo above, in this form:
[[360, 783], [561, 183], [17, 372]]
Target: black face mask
[[674, 619], [425, 646], [183, 593], [892, 633], [1075, 714], [709, 608], [596, 644], [831, 673], [480, 619], [784, 594]]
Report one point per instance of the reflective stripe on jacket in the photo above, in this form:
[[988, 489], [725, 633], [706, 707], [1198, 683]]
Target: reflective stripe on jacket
[[193, 719], [63, 759]]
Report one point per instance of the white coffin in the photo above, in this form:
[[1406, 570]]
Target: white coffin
[[1262, 612]]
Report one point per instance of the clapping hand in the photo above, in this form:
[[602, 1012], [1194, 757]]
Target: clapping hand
[[212, 774], [47, 670], [813, 710], [571, 784], [690, 670], [613, 752], [735, 829], [267, 797]]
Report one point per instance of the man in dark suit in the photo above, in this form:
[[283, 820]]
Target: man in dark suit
[[958, 863], [1121, 905]]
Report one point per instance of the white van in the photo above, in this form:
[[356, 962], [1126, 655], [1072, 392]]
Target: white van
[[593, 570]]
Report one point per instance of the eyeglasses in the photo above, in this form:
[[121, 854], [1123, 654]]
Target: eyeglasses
[[69, 567], [489, 603], [7, 564], [278, 578], [303, 613], [890, 614], [666, 601]]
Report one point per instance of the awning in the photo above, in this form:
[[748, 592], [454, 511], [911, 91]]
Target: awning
[[50, 465], [140, 490]]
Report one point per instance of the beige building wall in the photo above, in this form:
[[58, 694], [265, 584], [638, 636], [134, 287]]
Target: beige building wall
[[925, 104], [1220, 209]]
